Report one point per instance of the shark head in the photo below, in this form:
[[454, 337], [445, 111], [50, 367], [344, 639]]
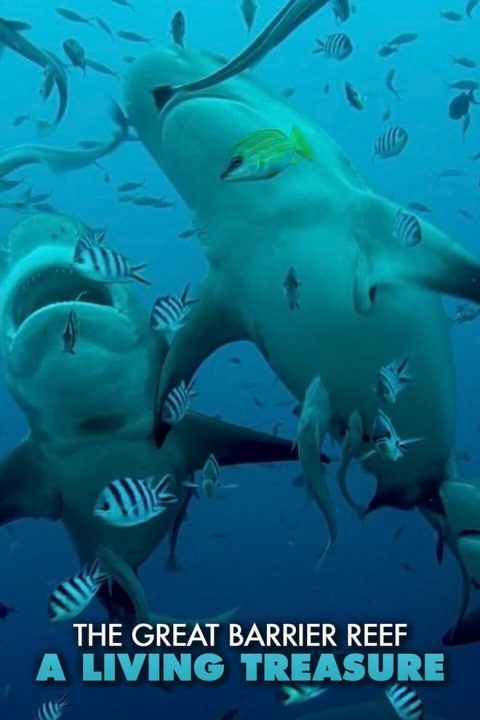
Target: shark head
[[193, 134], [63, 393]]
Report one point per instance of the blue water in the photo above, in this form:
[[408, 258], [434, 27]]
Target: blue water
[[265, 564]]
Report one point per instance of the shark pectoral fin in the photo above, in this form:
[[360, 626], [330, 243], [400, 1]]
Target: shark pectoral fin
[[351, 446], [231, 444], [436, 263], [27, 488], [209, 325], [122, 573], [312, 428], [465, 632], [221, 618]]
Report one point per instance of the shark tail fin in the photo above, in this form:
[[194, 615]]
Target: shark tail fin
[[302, 145]]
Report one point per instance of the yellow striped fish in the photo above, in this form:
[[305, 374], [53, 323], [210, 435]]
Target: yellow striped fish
[[266, 153]]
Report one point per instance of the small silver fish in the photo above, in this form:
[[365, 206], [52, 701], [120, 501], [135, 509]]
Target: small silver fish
[[178, 29], [133, 37], [353, 96], [103, 26], [471, 5], [73, 16], [465, 313], [129, 186], [389, 83], [392, 379], [177, 404], [406, 702], [128, 502], [53, 709], [407, 229], [73, 595], [292, 286], [75, 53]]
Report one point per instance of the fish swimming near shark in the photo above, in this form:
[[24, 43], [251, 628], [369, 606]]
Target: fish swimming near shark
[[73, 408], [373, 293], [293, 14], [11, 37], [60, 159]]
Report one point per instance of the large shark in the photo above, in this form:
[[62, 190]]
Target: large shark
[[89, 413], [366, 299]]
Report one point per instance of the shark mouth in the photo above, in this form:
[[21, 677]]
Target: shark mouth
[[53, 285]]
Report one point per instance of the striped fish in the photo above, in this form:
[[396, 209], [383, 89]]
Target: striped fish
[[104, 264], [53, 709], [391, 379], [406, 702], [297, 693], [69, 335], [391, 143], [169, 312], [211, 477], [407, 229], [72, 596], [177, 404], [129, 501], [336, 47], [263, 154], [387, 442]]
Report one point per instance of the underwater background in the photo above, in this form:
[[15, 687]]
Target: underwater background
[[256, 546]]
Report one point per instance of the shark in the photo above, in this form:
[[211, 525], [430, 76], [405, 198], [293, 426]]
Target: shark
[[89, 413], [58, 159], [12, 38], [365, 298]]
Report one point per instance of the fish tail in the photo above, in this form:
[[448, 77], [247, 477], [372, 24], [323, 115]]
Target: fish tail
[[302, 145], [64, 702], [134, 273]]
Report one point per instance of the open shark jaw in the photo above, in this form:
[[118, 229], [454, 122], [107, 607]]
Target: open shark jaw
[[52, 285]]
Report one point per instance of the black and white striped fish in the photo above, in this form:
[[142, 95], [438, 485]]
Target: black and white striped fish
[[391, 379], [406, 702], [336, 47], [391, 143], [177, 404], [407, 229], [130, 501], [104, 264], [73, 595], [53, 709], [169, 312], [388, 444], [69, 335]]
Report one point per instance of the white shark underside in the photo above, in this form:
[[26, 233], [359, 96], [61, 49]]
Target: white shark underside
[[90, 414], [366, 299]]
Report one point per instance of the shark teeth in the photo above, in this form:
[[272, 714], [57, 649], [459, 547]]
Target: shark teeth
[[53, 285]]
